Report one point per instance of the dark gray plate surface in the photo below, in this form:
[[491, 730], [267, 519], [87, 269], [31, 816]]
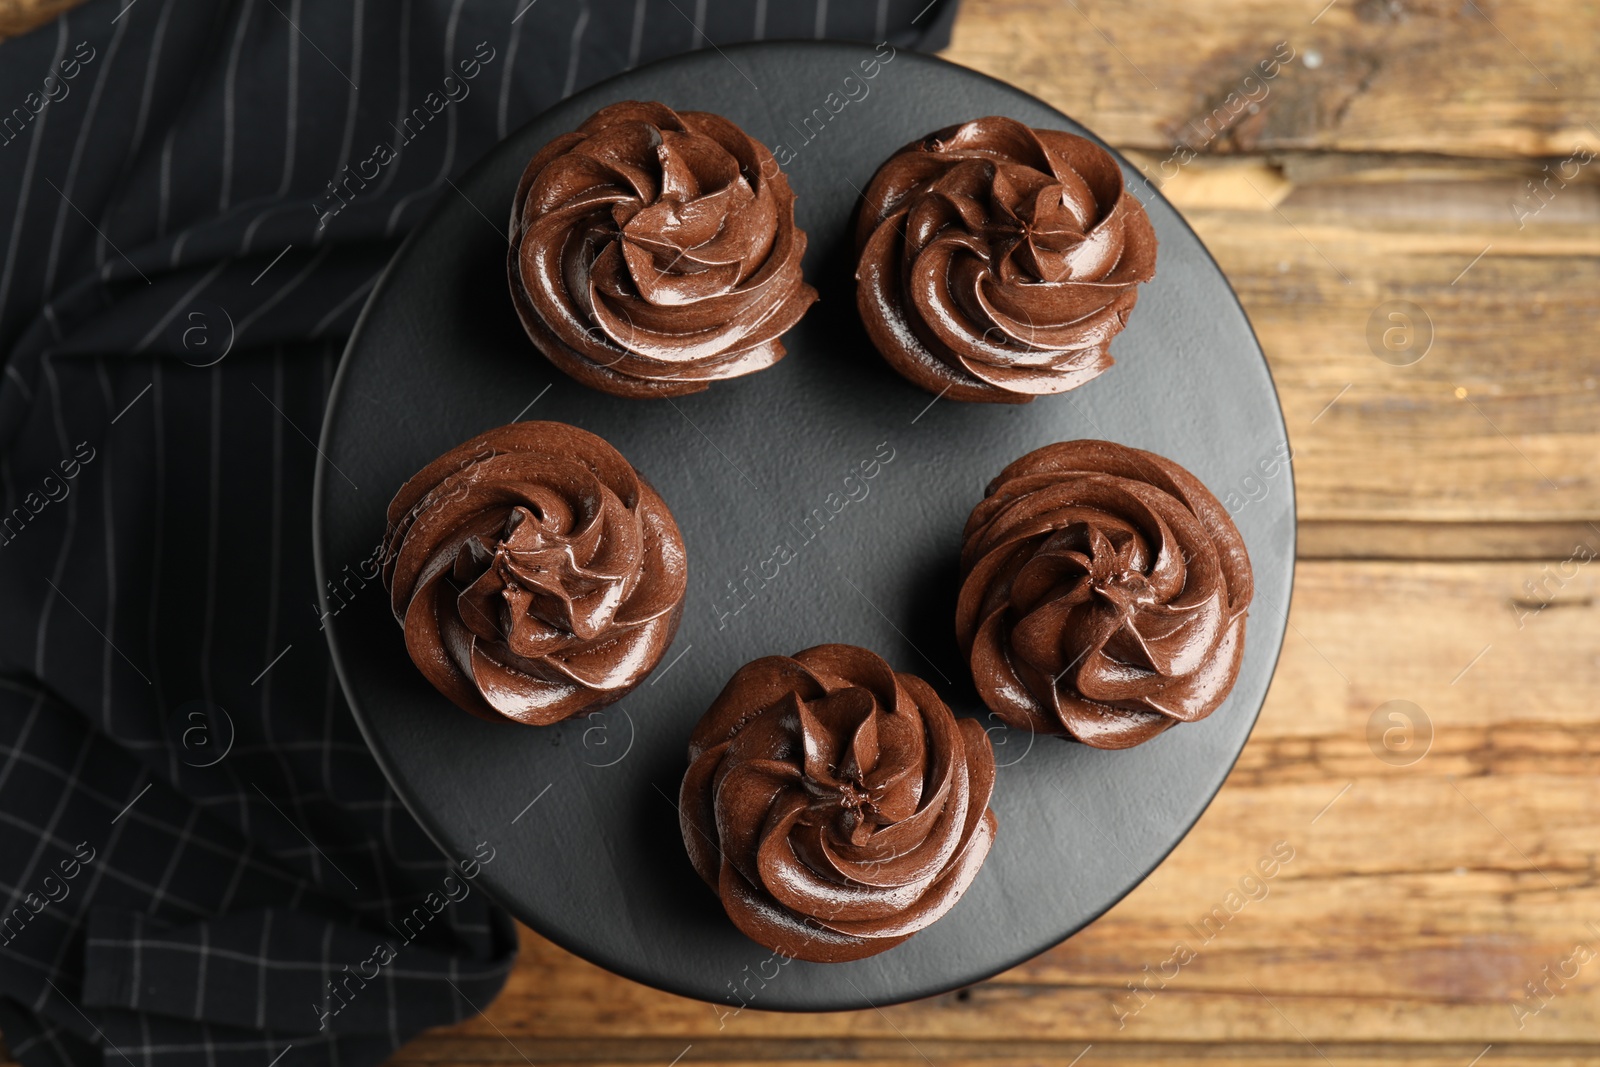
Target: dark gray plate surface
[[596, 863]]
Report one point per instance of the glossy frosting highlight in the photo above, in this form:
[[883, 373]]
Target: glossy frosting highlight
[[1104, 595], [997, 261], [835, 806], [536, 574], [654, 251]]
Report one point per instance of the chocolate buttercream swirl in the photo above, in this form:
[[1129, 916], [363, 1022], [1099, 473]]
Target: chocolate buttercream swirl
[[653, 251], [537, 575], [1103, 595], [835, 806], [997, 261]]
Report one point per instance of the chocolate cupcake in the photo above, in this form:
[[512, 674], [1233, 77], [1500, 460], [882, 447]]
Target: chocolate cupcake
[[1103, 597], [835, 806], [653, 251], [537, 575], [997, 262]]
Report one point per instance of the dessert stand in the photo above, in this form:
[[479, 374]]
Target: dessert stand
[[582, 815]]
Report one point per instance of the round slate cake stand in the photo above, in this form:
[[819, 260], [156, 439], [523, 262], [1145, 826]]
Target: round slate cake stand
[[582, 815]]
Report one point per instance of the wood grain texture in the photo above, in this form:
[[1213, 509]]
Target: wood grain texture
[[1004, 1053], [1353, 539], [1017, 1054], [1499, 419], [1491, 78]]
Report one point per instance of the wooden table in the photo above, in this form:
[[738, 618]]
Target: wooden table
[[1441, 506], [1448, 509]]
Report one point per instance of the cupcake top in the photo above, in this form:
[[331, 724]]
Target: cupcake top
[[536, 574], [1104, 593], [653, 251], [835, 806], [997, 261]]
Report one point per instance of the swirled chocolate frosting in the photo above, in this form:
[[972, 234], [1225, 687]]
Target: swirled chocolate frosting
[[653, 251], [835, 806], [998, 261], [536, 574], [1103, 595]]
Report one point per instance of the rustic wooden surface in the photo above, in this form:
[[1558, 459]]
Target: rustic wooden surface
[[1441, 505], [1382, 161]]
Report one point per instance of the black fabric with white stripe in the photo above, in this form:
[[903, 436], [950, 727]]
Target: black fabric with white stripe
[[194, 842]]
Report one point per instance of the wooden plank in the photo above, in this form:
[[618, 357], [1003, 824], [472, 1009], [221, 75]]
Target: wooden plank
[[1419, 901], [473, 1052], [1499, 418], [1330, 540], [1481, 78]]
